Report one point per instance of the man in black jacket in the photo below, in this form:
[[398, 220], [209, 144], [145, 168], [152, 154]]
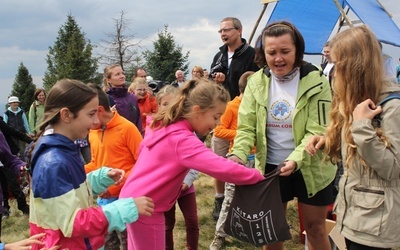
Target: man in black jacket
[[233, 59]]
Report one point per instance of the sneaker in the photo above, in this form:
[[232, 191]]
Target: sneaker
[[6, 214], [218, 243], [217, 207]]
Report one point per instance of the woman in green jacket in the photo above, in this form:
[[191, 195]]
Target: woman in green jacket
[[284, 103], [36, 110]]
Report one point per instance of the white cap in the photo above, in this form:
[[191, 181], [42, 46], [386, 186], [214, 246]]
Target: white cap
[[13, 99]]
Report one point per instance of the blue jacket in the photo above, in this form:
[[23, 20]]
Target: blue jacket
[[61, 198]]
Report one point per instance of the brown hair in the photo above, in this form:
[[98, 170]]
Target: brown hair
[[38, 91], [277, 29]]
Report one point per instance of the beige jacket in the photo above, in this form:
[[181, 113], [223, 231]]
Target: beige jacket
[[368, 203]]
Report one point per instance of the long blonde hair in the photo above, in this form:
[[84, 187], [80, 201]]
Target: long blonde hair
[[359, 75], [201, 92]]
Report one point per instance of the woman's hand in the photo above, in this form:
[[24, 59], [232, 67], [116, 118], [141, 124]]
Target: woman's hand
[[314, 143], [366, 110], [117, 175], [288, 168]]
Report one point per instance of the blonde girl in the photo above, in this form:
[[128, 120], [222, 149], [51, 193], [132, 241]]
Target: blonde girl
[[174, 149]]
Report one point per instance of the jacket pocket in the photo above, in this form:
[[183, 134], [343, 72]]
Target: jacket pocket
[[365, 211]]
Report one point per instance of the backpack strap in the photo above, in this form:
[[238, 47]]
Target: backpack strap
[[376, 122]]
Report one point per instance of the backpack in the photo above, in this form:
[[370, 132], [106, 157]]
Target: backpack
[[376, 122]]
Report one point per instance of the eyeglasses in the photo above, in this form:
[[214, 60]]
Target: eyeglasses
[[225, 30]]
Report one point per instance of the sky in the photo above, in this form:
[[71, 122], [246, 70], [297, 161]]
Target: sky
[[28, 28]]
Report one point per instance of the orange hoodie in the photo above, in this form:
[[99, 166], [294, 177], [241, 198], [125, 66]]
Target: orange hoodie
[[115, 146]]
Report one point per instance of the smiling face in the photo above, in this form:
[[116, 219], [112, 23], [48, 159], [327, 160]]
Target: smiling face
[[41, 97], [203, 122], [280, 54], [141, 90], [117, 77], [84, 120]]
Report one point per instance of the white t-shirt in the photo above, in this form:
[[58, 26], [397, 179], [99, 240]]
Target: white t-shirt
[[327, 69], [281, 106]]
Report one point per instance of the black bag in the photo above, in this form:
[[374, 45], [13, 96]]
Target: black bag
[[256, 213]]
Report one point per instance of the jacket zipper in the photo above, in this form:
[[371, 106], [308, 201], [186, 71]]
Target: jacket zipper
[[366, 190]]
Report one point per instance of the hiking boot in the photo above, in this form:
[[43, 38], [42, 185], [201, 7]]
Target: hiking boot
[[6, 214], [218, 243], [217, 207]]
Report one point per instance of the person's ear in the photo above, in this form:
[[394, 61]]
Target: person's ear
[[66, 115], [196, 108], [100, 110]]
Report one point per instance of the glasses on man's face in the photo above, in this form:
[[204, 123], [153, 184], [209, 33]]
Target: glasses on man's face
[[225, 30]]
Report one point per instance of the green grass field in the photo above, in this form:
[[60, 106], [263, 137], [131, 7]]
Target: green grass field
[[16, 226]]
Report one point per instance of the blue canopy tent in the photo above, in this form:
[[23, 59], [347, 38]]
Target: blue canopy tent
[[316, 19]]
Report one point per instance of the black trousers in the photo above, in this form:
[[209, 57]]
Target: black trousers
[[10, 183]]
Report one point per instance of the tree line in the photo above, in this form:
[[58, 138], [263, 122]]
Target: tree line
[[72, 56]]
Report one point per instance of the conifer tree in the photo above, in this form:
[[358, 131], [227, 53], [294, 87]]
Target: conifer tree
[[23, 87], [70, 57], [166, 58]]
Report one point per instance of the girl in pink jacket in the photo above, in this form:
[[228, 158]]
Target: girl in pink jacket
[[170, 149]]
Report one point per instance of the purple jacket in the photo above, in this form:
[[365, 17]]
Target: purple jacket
[[9, 161], [127, 105], [165, 157]]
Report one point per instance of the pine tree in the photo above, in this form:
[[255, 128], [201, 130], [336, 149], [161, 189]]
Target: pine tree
[[23, 87], [166, 58], [70, 57]]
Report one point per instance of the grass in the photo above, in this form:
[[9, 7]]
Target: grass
[[16, 226]]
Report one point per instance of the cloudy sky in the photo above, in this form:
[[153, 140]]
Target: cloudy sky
[[28, 28]]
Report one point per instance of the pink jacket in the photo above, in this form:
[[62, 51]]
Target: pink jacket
[[165, 157]]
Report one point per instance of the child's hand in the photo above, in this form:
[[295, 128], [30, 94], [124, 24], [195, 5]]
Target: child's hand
[[26, 244], [314, 143], [184, 187], [117, 175], [145, 205], [236, 159], [105, 195]]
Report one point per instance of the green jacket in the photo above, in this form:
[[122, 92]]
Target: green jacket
[[35, 116], [310, 117]]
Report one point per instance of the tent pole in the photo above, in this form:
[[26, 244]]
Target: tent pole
[[257, 23], [343, 13]]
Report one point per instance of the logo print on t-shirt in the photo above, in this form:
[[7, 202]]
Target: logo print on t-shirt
[[281, 110]]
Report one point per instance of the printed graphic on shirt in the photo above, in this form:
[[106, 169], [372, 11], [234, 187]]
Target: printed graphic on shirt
[[281, 112]]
